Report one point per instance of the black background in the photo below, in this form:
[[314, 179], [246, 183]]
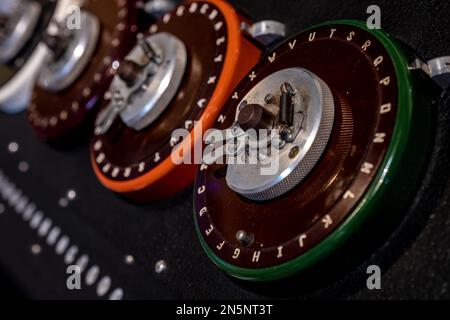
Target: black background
[[415, 261]]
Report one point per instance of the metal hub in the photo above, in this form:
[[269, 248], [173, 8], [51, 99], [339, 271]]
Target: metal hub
[[18, 20], [147, 81], [71, 52], [300, 107]]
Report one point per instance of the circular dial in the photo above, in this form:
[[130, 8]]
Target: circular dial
[[22, 24], [317, 194], [71, 85], [177, 77]]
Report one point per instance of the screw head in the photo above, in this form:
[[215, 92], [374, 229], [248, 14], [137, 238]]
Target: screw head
[[63, 202], [23, 166], [269, 99], [242, 105], [36, 249], [71, 194], [13, 147], [129, 259], [294, 152], [160, 266]]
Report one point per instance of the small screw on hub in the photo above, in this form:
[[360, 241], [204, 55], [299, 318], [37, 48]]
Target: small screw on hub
[[246, 239], [294, 152]]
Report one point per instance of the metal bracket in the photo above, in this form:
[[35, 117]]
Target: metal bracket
[[437, 69], [440, 71], [157, 8], [266, 32]]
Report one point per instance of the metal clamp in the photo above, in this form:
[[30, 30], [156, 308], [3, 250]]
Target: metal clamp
[[303, 126], [266, 32]]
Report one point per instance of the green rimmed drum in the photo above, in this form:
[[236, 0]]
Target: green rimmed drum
[[327, 134]]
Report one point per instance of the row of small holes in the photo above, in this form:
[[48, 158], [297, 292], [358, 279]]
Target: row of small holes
[[43, 225]]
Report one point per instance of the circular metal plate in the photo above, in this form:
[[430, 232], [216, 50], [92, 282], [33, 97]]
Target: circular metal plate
[[62, 73], [281, 172], [55, 114]]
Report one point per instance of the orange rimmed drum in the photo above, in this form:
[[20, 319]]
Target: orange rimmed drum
[[178, 76]]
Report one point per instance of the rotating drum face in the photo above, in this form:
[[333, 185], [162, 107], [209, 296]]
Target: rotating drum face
[[212, 55], [56, 111], [357, 176]]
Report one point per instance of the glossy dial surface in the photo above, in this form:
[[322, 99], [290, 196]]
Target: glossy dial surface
[[369, 79]]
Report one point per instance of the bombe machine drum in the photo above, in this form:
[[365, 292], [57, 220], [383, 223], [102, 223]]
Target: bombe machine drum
[[338, 121], [177, 77]]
